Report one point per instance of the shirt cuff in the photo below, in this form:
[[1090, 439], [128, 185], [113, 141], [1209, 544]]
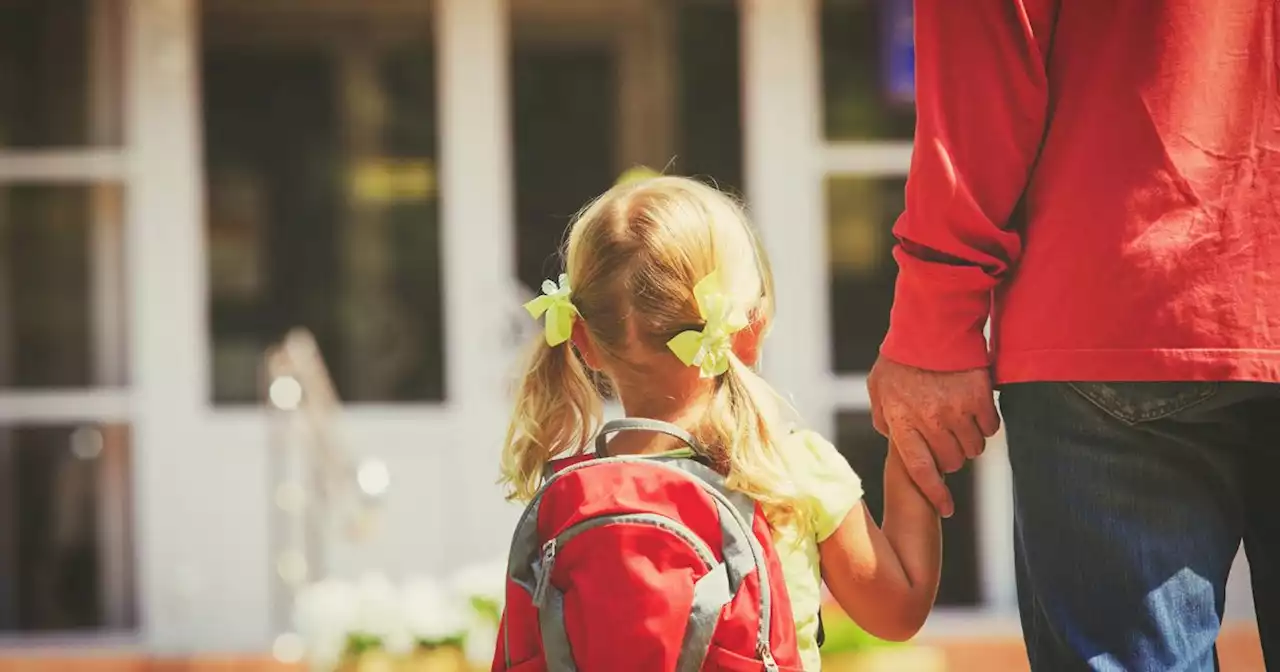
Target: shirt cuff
[[938, 317]]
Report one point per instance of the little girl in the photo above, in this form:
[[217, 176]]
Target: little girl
[[668, 295]]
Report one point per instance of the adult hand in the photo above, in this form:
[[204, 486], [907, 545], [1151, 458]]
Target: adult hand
[[936, 420]]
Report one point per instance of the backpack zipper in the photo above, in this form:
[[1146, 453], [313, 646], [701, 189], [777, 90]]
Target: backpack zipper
[[770, 665], [549, 549], [544, 572]]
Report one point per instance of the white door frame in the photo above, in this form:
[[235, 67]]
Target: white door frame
[[167, 331]]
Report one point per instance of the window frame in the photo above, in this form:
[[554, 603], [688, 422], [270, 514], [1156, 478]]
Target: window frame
[[103, 169]]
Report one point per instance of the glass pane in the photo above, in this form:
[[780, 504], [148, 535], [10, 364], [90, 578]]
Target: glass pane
[[868, 69], [599, 88], [61, 287], [320, 149], [59, 73], [860, 217], [66, 547], [858, 441]]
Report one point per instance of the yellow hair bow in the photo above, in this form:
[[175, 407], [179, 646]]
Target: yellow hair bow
[[709, 349], [559, 310]]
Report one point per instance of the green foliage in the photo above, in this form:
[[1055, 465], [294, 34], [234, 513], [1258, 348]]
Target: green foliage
[[844, 636], [455, 642], [361, 643], [489, 610]]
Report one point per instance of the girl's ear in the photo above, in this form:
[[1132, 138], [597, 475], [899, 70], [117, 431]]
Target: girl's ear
[[586, 347], [747, 343]]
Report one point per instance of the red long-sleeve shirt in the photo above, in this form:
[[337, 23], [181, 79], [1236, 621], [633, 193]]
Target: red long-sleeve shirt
[[1102, 179]]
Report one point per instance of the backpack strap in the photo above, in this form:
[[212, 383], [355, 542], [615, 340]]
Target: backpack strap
[[623, 425], [642, 425]]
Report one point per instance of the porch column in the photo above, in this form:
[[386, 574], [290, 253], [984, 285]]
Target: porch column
[[476, 174], [781, 87]]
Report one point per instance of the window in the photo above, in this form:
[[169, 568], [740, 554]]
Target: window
[[61, 312], [861, 213], [66, 546], [599, 88], [868, 64], [65, 529], [320, 149], [50, 58], [858, 441]]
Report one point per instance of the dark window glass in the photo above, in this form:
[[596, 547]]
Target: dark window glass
[[66, 547], [860, 218], [599, 90], [57, 78], [858, 441], [61, 323], [868, 67], [320, 144]]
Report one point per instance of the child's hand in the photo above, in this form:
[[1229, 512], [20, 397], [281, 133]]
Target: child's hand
[[886, 578], [896, 474]]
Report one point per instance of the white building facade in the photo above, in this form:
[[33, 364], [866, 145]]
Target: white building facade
[[183, 181]]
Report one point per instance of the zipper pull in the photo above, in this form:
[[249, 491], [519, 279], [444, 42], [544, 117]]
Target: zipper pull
[[543, 571], [770, 665]]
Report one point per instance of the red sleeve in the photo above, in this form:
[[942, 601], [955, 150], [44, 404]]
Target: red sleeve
[[982, 94]]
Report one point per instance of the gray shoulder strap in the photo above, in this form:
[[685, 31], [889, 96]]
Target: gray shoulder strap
[[642, 425]]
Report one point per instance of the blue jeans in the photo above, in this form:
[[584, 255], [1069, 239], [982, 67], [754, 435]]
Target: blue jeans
[[1130, 502]]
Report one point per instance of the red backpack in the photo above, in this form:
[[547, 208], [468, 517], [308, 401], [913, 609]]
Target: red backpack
[[643, 563]]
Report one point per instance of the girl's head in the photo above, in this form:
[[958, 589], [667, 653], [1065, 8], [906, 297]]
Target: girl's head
[[633, 259]]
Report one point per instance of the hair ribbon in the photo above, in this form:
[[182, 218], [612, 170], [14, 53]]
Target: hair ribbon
[[710, 348], [558, 309]]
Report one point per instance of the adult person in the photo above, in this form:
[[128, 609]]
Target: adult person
[[1101, 180]]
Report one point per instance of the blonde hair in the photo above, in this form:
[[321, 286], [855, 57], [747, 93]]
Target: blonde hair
[[633, 257]]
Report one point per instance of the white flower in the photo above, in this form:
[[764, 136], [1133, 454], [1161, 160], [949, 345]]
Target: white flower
[[431, 614], [377, 609], [482, 641], [323, 615], [326, 655], [486, 581], [401, 642]]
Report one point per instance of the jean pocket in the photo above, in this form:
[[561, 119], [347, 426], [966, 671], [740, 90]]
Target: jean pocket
[[1135, 403]]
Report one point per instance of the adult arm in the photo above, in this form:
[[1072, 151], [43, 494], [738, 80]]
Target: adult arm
[[982, 106], [982, 99]]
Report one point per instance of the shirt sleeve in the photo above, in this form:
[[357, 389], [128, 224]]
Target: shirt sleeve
[[830, 486], [981, 100]]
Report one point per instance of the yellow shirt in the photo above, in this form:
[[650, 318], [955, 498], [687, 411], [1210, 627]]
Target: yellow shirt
[[833, 490]]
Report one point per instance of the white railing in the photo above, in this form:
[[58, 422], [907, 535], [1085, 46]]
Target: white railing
[[322, 497]]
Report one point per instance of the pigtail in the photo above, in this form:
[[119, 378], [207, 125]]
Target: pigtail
[[557, 411], [745, 427]]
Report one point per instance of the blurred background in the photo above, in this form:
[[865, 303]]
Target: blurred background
[[185, 182]]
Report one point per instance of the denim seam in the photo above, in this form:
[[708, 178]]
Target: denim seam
[[1210, 389]]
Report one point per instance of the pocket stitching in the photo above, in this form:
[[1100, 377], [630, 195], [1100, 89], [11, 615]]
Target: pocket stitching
[[1208, 390]]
